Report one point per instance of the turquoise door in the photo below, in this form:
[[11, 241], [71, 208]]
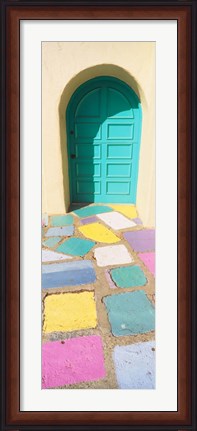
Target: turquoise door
[[103, 128]]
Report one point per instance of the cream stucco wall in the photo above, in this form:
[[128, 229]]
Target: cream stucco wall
[[66, 65]]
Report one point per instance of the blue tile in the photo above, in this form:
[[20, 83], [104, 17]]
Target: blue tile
[[64, 266], [135, 365], [130, 313], [128, 276], [51, 242], [60, 231], [68, 274]]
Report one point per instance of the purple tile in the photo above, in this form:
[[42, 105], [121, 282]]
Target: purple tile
[[89, 220], [137, 220], [109, 280], [141, 240]]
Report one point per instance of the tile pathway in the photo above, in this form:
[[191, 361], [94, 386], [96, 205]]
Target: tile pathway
[[98, 292]]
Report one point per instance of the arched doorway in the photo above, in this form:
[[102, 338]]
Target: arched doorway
[[103, 130]]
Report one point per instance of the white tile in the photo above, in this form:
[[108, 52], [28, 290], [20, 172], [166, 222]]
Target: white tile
[[116, 220], [112, 255], [50, 256]]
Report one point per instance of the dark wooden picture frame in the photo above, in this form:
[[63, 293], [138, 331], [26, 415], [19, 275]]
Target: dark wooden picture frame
[[12, 12]]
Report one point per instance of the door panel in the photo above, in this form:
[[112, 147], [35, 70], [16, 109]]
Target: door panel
[[119, 151], [120, 131], [104, 120], [123, 170], [87, 130]]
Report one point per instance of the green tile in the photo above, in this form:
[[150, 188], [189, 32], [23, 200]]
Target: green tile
[[128, 276], [92, 210], [76, 246], [130, 313], [51, 242], [61, 220]]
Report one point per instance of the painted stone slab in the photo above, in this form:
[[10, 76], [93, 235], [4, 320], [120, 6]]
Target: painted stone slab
[[60, 231], [141, 240], [68, 274], [116, 221], [64, 266], [137, 220], [92, 210], [51, 242], [61, 220], [51, 256], [89, 220], [130, 313], [98, 232], [128, 210], [69, 312], [76, 246], [112, 255], [149, 261], [72, 361], [135, 365], [109, 280], [128, 276]]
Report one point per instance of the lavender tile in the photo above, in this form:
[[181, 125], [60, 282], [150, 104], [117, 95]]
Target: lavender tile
[[141, 240], [89, 220], [137, 220]]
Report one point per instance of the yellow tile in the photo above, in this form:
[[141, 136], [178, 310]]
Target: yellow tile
[[128, 210], [98, 232], [69, 312]]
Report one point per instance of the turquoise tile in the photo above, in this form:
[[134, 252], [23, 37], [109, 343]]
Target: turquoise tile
[[130, 313], [62, 220], [51, 242], [128, 276], [76, 246], [89, 211]]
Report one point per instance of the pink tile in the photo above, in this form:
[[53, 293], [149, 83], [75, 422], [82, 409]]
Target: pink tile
[[72, 361], [149, 260]]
